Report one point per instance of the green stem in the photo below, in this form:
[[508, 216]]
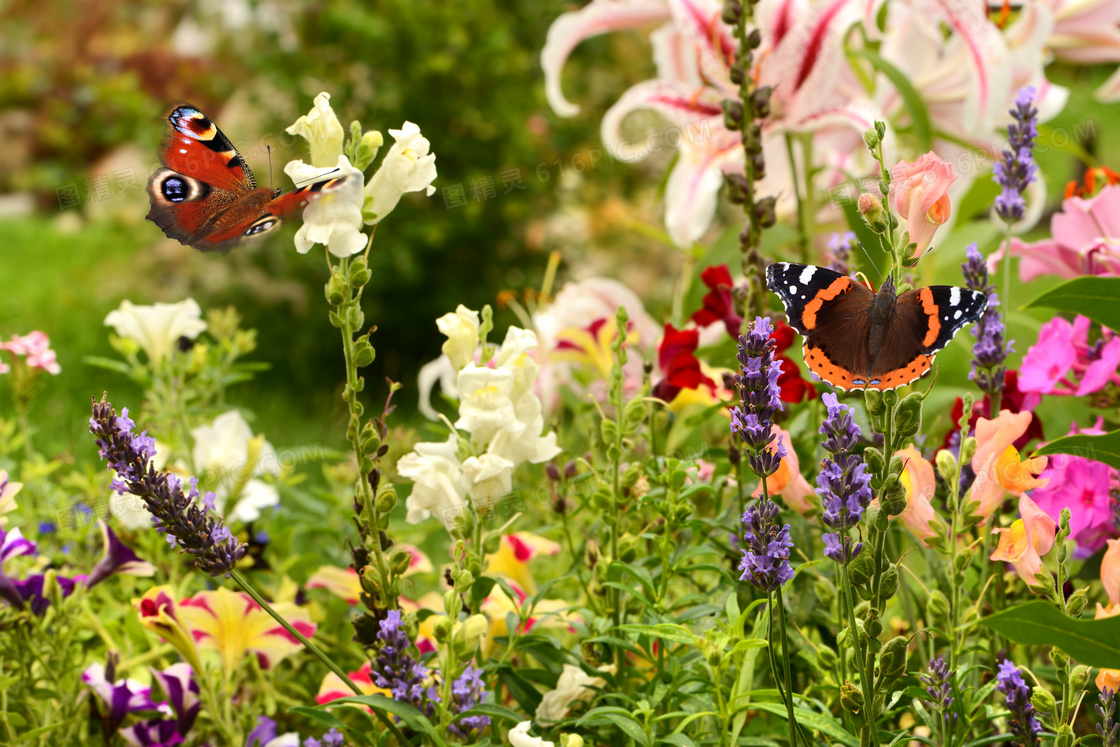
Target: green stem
[[861, 651], [802, 223], [794, 727]]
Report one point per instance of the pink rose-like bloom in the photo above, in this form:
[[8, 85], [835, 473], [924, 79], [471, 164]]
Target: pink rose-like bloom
[[1085, 487], [918, 478], [922, 198], [1027, 539], [1085, 240], [1062, 351], [36, 347]]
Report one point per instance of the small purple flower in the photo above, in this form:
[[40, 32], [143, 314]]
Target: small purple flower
[[181, 690], [331, 739], [1015, 168], [765, 560], [117, 558], [468, 690], [395, 669], [843, 483], [990, 350], [118, 698], [840, 246], [263, 733], [1024, 723], [1107, 728], [939, 686], [188, 523], [156, 732], [752, 419]]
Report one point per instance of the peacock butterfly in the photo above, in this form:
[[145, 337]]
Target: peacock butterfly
[[205, 194]]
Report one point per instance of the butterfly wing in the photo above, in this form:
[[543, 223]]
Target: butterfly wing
[[195, 147], [833, 313], [924, 322]]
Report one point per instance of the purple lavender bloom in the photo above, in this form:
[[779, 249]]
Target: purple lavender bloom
[[156, 732], [765, 560], [118, 698], [331, 739], [1024, 723], [1015, 168], [468, 690], [990, 350], [1107, 728], [395, 669], [840, 246], [939, 685], [752, 419], [843, 484], [185, 519]]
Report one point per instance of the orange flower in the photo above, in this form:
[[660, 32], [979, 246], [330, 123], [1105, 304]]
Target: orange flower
[[788, 482], [1110, 571], [999, 468], [920, 483], [1109, 678], [921, 197], [1026, 541]]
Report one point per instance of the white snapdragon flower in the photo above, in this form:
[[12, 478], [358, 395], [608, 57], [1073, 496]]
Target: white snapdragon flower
[[526, 444], [519, 737], [335, 218], [574, 685], [407, 167], [485, 404], [461, 329], [440, 483], [227, 455], [491, 477], [322, 131], [157, 328]]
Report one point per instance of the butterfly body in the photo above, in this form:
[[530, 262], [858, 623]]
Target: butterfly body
[[205, 194], [856, 338]]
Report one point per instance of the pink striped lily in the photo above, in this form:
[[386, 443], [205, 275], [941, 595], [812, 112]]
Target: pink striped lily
[[802, 56], [1087, 32]]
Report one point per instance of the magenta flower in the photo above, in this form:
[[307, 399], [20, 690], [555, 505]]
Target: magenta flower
[[1085, 486], [1063, 362], [1085, 240]]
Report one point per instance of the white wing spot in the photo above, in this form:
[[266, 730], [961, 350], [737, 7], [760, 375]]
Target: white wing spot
[[793, 289], [957, 315], [954, 296], [807, 274], [785, 266]]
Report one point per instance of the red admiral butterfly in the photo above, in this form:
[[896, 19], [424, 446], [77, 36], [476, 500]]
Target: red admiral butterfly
[[206, 195], [858, 339]]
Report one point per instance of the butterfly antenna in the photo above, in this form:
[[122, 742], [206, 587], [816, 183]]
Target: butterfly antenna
[[271, 183], [870, 261], [312, 179]]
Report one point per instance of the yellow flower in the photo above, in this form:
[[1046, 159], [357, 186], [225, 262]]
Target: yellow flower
[[232, 624], [511, 561], [159, 613]]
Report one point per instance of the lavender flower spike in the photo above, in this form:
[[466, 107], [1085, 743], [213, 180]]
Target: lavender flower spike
[[1107, 728], [1024, 724], [939, 686], [1015, 168], [468, 690], [184, 517], [397, 671], [844, 484], [990, 350], [766, 555], [759, 398]]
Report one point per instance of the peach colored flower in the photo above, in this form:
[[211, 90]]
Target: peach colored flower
[[1110, 571], [922, 198], [1109, 678], [788, 482], [920, 483], [997, 464], [1027, 539]]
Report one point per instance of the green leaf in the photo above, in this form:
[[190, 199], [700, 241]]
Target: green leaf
[[406, 712], [326, 718], [1095, 643], [493, 711], [813, 720], [678, 739], [1094, 296], [1104, 448], [623, 721], [915, 106], [664, 631]]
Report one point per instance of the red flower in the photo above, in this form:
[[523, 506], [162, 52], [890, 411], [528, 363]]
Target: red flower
[[718, 306], [678, 362], [1012, 400], [794, 388]]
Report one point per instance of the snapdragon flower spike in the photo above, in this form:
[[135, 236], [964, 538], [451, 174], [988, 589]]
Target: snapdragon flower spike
[[1024, 723], [186, 518], [990, 350], [765, 561], [1015, 168], [939, 686], [468, 690], [395, 669], [843, 484], [1107, 728], [759, 398]]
